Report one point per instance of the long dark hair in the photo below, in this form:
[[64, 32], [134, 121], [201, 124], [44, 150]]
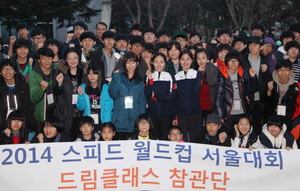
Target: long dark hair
[[96, 70], [132, 57], [17, 115]]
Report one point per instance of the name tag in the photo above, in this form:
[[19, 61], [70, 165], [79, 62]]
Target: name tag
[[237, 105], [74, 98], [281, 110], [96, 118], [50, 99], [128, 102]]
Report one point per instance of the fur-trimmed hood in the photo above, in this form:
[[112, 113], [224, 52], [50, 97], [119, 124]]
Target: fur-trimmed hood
[[63, 66]]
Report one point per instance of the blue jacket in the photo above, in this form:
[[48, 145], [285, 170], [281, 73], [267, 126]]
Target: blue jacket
[[188, 88], [161, 103], [119, 88], [106, 104]]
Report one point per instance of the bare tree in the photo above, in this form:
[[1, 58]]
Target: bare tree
[[134, 19]]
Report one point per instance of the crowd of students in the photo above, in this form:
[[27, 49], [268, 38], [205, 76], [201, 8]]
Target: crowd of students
[[238, 90]]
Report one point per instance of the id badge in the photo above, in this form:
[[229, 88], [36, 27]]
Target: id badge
[[50, 99], [281, 110], [96, 118], [237, 105], [128, 102], [8, 112], [74, 98]]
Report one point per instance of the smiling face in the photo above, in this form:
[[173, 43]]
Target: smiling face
[[131, 66], [121, 44], [22, 52], [45, 62], [201, 59], [185, 62], [243, 126], [233, 63], [72, 59], [159, 64], [50, 131], [8, 73], [107, 133], [175, 135], [284, 73], [149, 37], [87, 43], [222, 54], [16, 125], [174, 53]]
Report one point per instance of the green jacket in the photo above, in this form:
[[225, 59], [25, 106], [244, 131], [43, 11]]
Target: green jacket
[[37, 95]]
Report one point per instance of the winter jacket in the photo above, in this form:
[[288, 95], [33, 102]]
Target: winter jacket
[[106, 104], [21, 92], [37, 95], [246, 141], [121, 87], [162, 84], [204, 138], [170, 67], [94, 137], [224, 94], [142, 66], [289, 99], [188, 87], [60, 137], [262, 77], [266, 140], [135, 136], [64, 108]]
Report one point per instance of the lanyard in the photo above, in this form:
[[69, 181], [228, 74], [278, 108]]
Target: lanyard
[[15, 99]]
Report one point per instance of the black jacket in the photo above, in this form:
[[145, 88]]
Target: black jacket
[[21, 92], [203, 138]]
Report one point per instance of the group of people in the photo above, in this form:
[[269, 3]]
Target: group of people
[[238, 90]]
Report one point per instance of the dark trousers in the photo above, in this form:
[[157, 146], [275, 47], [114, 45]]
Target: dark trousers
[[122, 136], [257, 117], [191, 126], [161, 126]]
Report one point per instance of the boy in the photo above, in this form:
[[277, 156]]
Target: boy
[[147, 54], [239, 44], [213, 133], [136, 29], [163, 35], [195, 38], [38, 37], [258, 29], [292, 49], [224, 36], [149, 35], [45, 84], [181, 37], [86, 126], [285, 37], [23, 31], [87, 41], [254, 59], [295, 28]]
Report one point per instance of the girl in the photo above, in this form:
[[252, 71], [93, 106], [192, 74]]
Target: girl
[[15, 132], [159, 92], [274, 135], [22, 57], [74, 75], [127, 91], [143, 128], [93, 97], [175, 134], [54, 45], [173, 65], [53, 131], [108, 131], [233, 82], [244, 134], [222, 50], [188, 110], [14, 92], [209, 81]]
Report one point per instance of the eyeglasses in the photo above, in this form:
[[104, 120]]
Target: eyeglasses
[[7, 69], [175, 135], [282, 70], [143, 122]]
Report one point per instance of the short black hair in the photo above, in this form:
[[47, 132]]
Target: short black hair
[[137, 40], [81, 24], [224, 47], [275, 120], [22, 26], [21, 43], [55, 122], [87, 34], [121, 36], [162, 32], [284, 63], [149, 29], [258, 26], [239, 39], [86, 120], [37, 31], [195, 34], [45, 51], [162, 45], [287, 34], [8, 62], [51, 41], [295, 27], [136, 26], [291, 44], [224, 30], [101, 23], [108, 34], [149, 47], [141, 117]]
